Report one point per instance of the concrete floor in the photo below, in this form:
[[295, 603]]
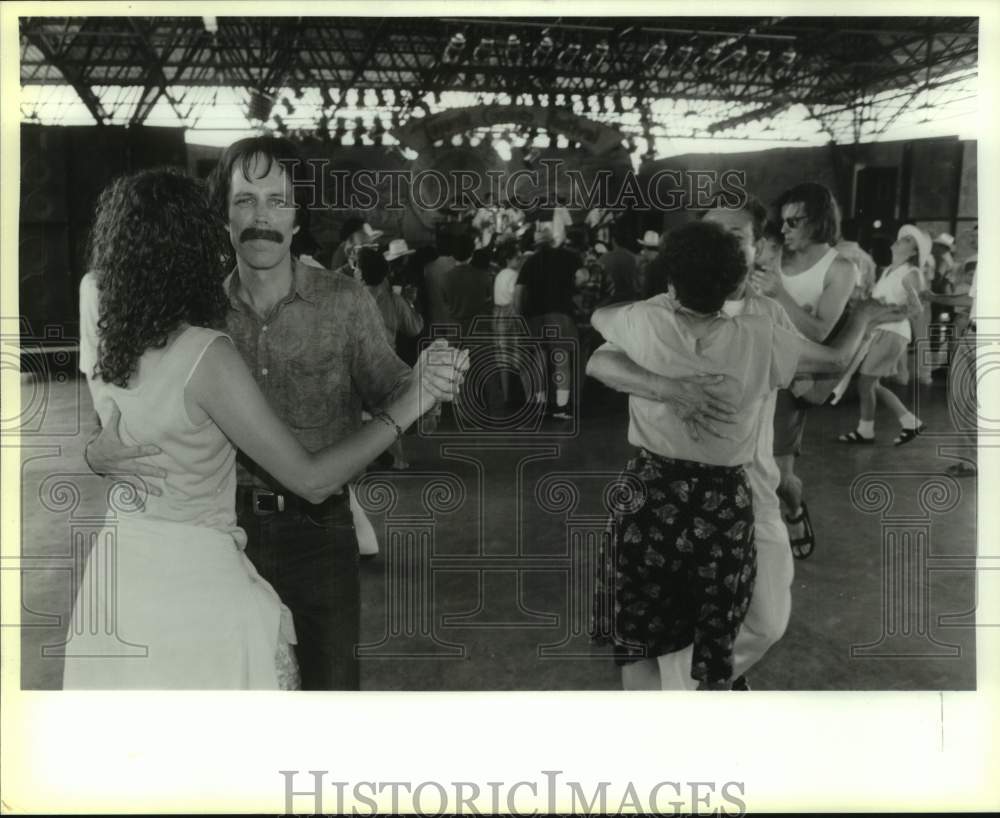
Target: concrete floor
[[482, 583]]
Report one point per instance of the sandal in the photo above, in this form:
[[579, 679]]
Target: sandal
[[802, 547], [961, 470], [906, 435], [854, 437]]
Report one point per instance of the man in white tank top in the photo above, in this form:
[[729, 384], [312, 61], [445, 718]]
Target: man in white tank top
[[813, 283]]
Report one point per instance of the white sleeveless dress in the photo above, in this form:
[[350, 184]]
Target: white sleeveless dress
[[168, 598]]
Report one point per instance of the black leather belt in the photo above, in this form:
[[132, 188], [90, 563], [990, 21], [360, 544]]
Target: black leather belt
[[263, 502]]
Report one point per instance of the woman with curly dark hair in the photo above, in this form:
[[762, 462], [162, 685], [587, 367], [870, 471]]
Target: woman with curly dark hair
[[191, 611], [681, 563], [158, 249]]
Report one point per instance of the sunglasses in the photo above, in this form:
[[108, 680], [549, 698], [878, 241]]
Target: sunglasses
[[793, 221]]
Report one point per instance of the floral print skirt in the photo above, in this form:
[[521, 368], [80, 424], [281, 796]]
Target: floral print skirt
[[678, 565]]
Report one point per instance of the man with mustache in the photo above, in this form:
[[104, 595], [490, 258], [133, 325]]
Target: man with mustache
[[314, 343]]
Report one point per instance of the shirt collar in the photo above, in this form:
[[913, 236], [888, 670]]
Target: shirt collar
[[303, 284]]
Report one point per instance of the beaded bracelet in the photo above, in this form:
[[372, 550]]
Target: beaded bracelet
[[387, 419]]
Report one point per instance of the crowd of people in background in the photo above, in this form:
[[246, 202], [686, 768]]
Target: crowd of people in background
[[302, 359], [549, 273], [548, 270]]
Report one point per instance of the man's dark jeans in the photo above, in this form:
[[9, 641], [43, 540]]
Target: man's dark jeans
[[312, 562]]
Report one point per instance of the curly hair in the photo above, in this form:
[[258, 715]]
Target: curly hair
[[705, 264], [156, 250]]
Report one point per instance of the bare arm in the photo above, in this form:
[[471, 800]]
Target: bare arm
[[837, 355], [691, 397], [837, 290], [223, 387], [952, 300], [912, 284]]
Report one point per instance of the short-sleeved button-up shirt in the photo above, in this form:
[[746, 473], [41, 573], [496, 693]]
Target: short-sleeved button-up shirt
[[320, 356]]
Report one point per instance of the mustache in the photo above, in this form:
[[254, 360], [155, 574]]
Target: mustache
[[252, 233]]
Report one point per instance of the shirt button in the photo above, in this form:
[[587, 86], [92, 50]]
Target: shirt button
[[264, 328], [263, 371]]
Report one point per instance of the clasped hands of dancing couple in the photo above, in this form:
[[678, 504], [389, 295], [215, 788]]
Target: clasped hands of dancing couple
[[226, 574], [440, 374]]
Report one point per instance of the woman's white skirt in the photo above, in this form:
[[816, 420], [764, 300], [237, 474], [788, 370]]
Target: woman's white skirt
[[167, 605]]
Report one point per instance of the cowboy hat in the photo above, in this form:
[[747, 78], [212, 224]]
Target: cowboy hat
[[397, 249], [371, 235]]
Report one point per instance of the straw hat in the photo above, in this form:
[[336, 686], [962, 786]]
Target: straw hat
[[946, 239]]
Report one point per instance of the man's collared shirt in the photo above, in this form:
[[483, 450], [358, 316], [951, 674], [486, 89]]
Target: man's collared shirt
[[320, 356]]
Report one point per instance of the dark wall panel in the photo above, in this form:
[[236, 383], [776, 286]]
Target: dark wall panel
[[43, 174], [934, 179], [968, 198], [63, 171], [47, 299]]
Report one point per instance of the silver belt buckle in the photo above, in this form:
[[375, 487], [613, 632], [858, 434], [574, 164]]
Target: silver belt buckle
[[258, 495]]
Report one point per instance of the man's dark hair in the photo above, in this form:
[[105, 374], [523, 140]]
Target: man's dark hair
[[350, 227], [462, 247], [245, 152], [443, 241], [505, 251], [705, 264], [481, 258], [374, 268], [821, 210]]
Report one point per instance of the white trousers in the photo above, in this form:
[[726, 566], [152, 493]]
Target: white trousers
[[367, 538]]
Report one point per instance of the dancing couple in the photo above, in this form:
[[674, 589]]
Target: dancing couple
[[699, 522], [223, 567]]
